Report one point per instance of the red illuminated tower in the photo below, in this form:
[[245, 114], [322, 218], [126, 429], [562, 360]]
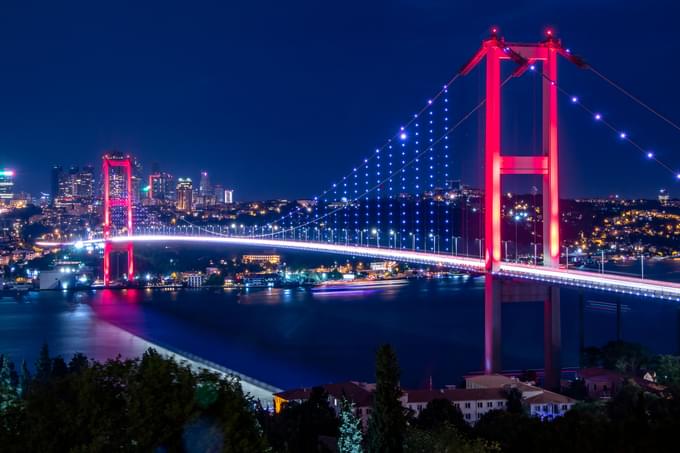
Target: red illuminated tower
[[117, 198], [495, 50]]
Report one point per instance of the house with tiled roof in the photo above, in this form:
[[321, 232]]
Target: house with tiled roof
[[358, 393], [480, 395], [602, 383]]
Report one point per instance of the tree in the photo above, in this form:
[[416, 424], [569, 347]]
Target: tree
[[387, 424], [43, 367], [59, 368], [298, 427], [8, 383], [214, 280], [445, 439], [350, 432], [24, 378], [129, 405], [667, 369], [514, 397], [577, 389], [438, 412]]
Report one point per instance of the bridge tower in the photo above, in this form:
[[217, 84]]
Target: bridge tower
[[117, 174], [495, 49]]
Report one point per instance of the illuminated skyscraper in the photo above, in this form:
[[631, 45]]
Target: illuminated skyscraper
[[57, 175], [160, 186], [228, 196], [204, 187], [6, 185], [83, 184], [184, 194], [73, 187]]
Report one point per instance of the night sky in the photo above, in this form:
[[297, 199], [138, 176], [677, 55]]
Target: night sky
[[277, 99]]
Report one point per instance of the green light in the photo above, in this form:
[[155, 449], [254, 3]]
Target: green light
[[146, 189]]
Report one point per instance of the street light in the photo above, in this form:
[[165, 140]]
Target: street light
[[434, 242], [455, 243], [516, 248], [376, 232]]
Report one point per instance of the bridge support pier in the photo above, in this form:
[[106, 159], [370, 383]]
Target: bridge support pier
[[496, 292], [492, 324], [552, 339]]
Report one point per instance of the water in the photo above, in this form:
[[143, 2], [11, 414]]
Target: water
[[294, 337]]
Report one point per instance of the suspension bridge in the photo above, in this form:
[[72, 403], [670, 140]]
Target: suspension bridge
[[401, 202]]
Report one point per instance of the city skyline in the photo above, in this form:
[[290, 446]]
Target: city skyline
[[337, 94]]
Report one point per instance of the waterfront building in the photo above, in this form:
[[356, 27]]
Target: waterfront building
[[194, 279], [184, 193], [262, 259]]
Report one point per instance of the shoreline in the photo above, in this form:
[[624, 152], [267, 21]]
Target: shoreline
[[259, 390]]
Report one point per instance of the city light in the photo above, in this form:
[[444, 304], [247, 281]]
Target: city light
[[6, 172]]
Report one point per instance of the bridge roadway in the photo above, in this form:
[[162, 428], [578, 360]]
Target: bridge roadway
[[607, 282]]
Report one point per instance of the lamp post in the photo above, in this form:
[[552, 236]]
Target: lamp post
[[516, 247], [505, 245], [455, 244], [434, 242], [376, 232]]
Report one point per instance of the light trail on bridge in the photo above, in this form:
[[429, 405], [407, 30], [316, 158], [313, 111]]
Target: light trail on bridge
[[606, 282]]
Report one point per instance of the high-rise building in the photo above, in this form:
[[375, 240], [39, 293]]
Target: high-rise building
[[83, 184], [73, 187], [6, 185], [184, 194], [219, 193], [160, 186], [204, 187], [57, 175], [228, 196]]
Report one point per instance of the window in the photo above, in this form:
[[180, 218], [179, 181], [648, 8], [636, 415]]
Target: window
[[489, 404], [500, 404], [456, 404], [480, 404], [359, 412], [545, 408], [564, 407], [467, 416], [420, 407], [467, 405]]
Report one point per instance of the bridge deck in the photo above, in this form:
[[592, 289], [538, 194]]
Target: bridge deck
[[608, 282]]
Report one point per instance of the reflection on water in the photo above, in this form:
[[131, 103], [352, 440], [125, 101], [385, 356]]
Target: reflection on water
[[292, 337]]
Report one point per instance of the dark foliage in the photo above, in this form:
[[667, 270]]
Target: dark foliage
[[299, 427], [148, 404]]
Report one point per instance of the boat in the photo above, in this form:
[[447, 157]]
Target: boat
[[356, 285]]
